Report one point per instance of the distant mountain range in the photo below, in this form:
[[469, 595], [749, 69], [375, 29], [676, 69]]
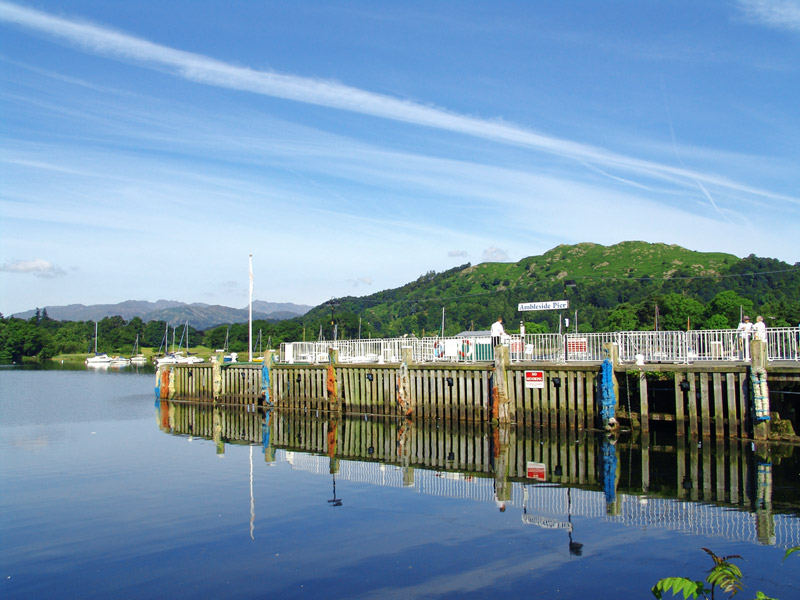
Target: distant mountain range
[[200, 316]]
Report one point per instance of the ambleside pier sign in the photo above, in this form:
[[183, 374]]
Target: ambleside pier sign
[[549, 305]]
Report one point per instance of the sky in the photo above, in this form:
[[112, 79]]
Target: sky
[[148, 148]]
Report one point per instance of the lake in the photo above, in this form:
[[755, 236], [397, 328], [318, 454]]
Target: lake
[[109, 493]]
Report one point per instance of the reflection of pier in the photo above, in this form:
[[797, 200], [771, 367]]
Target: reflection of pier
[[722, 489]]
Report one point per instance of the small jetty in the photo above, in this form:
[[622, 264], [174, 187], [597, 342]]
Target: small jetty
[[704, 384]]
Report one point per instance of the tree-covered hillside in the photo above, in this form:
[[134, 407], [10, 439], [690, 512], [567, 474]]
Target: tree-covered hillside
[[628, 286], [616, 287]]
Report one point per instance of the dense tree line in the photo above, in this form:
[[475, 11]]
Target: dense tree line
[[470, 298], [599, 309]]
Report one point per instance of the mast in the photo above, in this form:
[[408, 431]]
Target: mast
[[250, 316]]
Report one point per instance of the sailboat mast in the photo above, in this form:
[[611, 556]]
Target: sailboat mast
[[250, 316]]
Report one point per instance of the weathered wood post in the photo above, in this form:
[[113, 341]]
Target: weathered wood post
[[333, 359], [216, 378], [759, 391], [644, 410], [500, 404], [404, 398], [171, 382]]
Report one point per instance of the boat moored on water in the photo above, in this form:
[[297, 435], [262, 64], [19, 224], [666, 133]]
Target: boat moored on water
[[137, 358], [98, 360], [178, 357]]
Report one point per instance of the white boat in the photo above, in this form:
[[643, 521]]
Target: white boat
[[190, 360], [178, 357], [100, 359], [137, 358], [171, 358], [120, 361]]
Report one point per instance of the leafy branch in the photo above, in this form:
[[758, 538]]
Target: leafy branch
[[723, 574]]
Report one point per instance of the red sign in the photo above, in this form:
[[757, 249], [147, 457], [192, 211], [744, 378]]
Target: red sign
[[534, 380], [537, 471]]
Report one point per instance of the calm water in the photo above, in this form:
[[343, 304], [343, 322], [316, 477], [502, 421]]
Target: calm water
[[107, 494]]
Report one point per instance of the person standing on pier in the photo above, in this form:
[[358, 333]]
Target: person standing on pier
[[497, 331], [744, 329], [760, 329]]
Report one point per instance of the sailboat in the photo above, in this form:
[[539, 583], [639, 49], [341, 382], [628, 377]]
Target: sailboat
[[189, 359], [169, 358], [137, 358], [224, 354], [177, 356], [99, 359]]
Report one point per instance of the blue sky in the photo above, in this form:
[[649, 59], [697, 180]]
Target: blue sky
[[149, 147]]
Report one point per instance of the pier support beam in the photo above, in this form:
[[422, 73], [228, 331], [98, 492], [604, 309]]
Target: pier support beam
[[404, 398], [758, 365], [216, 378], [333, 359], [500, 405]]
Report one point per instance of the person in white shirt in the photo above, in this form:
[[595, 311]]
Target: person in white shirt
[[497, 331], [744, 329], [760, 329]]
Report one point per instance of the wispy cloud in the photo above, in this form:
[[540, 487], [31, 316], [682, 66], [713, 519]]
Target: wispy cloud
[[359, 281], [37, 266], [780, 14], [205, 70], [458, 253], [494, 254]]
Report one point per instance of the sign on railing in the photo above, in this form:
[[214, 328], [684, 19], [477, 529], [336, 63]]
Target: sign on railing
[[548, 305]]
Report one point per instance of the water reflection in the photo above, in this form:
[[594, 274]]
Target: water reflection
[[736, 490]]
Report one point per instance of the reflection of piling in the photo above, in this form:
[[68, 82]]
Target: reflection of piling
[[765, 521], [610, 475], [500, 443], [220, 445]]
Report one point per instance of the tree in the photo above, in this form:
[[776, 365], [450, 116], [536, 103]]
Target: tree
[[730, 305], [678, 311], [622, 318]]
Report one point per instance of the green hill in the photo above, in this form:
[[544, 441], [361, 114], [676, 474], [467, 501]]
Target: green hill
[[627, 286], [611, 287]]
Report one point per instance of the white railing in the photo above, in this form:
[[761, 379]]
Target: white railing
[[783, 343], [638, 347]]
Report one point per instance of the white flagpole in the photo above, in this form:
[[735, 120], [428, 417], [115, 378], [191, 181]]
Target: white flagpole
[[250, 316]]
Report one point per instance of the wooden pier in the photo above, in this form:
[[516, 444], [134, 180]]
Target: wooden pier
[[703, 401]]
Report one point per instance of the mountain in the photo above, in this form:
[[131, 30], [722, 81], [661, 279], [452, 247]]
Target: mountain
[[200, 316], [630, 285], [620, 286]]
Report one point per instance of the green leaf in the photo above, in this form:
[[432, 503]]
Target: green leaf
[[791, 551], [678, 585]]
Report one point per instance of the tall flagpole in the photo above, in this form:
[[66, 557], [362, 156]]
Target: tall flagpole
[[250, 316]]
